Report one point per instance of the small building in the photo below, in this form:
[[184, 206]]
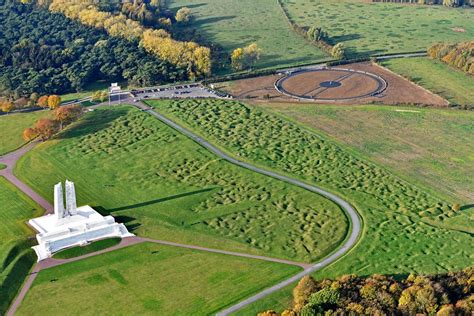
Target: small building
[[72, 226]]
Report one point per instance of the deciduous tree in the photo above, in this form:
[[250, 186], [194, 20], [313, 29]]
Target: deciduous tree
[[29, 134], [43, 101], [183, 15], [54, 101], [46, 128]]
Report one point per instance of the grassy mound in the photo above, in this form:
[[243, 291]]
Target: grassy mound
[[433, 144], [83, 250], [163, 185], [395, 239], [146, 279], [2, 166]]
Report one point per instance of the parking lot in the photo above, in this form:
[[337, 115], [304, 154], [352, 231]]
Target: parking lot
[[192, 91]]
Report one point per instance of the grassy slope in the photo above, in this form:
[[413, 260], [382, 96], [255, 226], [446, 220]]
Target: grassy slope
[[454, 85], [383, 27], [165, 186], [15, 209], [15, 256], [173, 281], [233, 24], [83, 250], [395, 239], [424, 145], [12, 126]]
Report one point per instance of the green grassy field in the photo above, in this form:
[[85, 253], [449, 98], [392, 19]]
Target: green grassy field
[[12, 126], [374, 28], [15, 256], [454, 85], [165, 186], [422, 145], [233, 24], [173, 281], [83, 250], [395, 238]]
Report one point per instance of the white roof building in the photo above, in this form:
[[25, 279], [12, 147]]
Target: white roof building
[[72, 226]]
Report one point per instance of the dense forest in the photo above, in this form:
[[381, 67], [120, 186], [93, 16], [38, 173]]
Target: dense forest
[[158, 41], [441, 295], [448, 3], [48, 53], [459, 55]]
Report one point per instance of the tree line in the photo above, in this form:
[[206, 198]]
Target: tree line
[[48, 53], [448, 3], [46, 128], [459, 55], [191, 56], [440, 295]]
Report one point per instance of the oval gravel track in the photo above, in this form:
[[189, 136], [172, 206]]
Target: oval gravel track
[[356, 224]]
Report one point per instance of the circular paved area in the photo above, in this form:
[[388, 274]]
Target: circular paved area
[[331, 84]]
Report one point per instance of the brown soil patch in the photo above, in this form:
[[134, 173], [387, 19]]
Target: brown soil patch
[[399, 90]]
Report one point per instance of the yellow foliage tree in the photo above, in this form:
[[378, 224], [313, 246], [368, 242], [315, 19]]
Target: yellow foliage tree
[[54, 101]]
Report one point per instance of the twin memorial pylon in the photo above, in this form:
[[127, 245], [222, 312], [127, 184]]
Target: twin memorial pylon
[[71, 226]]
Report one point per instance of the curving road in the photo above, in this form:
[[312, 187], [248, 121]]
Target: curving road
[[356, 224]]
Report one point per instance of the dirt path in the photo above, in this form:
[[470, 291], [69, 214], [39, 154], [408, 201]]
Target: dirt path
[[10, 161]]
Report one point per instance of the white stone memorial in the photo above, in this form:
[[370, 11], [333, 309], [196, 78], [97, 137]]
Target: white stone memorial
[[72, 226]]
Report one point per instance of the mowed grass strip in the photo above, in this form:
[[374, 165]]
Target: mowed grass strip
[[375, 28], [12, 126], [15, 210], [163, 185], [16, 258], [422, 145], [231, 24], [395, 238], [150, 279], [452, 84]]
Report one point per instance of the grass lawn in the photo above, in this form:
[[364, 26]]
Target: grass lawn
[[15, 256], [422, 145], [163, 185], [395, 238], [233, 24], [454, 85], [150, 279], [12, 126], [83, 250], [374, 28], [88, 91]]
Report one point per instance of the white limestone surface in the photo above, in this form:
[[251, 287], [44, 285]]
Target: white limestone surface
[[85, 226]]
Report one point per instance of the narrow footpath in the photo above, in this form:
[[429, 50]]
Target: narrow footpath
[[351, 212]]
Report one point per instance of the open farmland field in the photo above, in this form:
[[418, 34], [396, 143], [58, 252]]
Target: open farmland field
[[12, 126], [164, 186], [377, 28], [454, 85], [15, 256], [148, 277], [233, 24], [422, 145], [395, 212]]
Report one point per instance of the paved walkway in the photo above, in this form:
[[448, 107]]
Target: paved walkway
[[128, 241], [10, 161], [356, 224]]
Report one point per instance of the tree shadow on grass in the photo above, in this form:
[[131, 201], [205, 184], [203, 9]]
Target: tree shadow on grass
[[93, 122], [466, 207], [155, 201], [202, 22]]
